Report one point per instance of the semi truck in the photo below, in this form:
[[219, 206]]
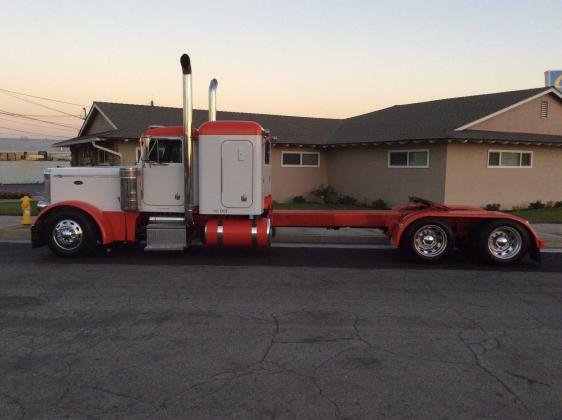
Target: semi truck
[[211, 185]]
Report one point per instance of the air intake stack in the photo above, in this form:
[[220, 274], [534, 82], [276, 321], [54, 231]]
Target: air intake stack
[[213, 100], [187, 133]]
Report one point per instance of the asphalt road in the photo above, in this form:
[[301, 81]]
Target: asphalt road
[[282, 333]]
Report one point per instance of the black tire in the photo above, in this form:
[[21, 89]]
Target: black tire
[[427, 240], [502, 242], [71, 233]]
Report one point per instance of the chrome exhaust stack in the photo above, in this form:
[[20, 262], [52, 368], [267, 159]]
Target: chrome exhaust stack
[[213, 100], [188, 141]]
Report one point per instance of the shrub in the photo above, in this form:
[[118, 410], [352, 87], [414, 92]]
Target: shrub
[[299, 199], [326, 194], [558, 204], [535, 205], [379, 204], [492, 206], [549, 204], [347, 200], [12, 194]]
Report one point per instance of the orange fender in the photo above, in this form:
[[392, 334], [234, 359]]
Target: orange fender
[[113, 225]]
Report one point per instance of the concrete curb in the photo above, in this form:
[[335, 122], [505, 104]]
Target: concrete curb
[[16, 232]]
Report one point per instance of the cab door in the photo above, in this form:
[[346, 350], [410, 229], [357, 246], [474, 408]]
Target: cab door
[[162, 175]]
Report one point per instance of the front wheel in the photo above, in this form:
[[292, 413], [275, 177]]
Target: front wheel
[[428, 240], [71, 233], [502, 242]]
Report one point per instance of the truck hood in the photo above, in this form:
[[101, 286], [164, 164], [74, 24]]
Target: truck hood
[[85, 171]]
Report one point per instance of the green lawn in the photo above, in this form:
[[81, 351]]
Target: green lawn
[[551, 215], [13, 208]]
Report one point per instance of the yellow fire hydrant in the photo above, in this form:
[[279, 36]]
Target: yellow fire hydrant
[[26, 210]]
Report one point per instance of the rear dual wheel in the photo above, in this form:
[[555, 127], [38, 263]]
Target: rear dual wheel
[[500, 242], [428, 240]]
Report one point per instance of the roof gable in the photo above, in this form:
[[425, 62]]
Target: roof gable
[[96, 122], [524, 116]]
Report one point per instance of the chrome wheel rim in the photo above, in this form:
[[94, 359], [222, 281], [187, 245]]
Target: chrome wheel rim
[[68, 234], [430, 241], [505, 242]]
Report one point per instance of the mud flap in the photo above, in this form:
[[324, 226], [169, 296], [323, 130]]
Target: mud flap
[[36, 237], [535, 254]]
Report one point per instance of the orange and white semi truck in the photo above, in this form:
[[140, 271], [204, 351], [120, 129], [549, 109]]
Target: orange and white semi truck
[[211, 185]]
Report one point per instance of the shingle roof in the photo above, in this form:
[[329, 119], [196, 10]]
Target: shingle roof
[[433, 120], [133, 120], [425, 120]]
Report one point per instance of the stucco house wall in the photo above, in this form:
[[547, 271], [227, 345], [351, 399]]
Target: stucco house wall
[[468, 179], [129, 151], [363, 173], [288, 182]]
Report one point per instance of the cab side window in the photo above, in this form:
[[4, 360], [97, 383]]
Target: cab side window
[[165, 151]]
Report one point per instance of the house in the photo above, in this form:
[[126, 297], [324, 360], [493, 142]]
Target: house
[[495, 148]]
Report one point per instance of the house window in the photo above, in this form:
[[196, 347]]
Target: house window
[[509, 159], [544, 109], [408, 159], [103, 158], [310, 159]]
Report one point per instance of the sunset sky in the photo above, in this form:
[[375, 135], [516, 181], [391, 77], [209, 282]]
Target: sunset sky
[[311, 58]]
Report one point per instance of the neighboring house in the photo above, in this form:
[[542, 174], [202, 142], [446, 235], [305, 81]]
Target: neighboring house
[[497, 148]]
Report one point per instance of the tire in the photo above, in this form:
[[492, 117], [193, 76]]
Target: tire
[[71, 233], [502, 242], [428, 240]]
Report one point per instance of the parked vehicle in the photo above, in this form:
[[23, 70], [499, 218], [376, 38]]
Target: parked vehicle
[[212, 185]]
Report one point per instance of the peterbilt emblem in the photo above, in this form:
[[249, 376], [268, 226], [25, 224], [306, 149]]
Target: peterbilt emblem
[[177, 196]]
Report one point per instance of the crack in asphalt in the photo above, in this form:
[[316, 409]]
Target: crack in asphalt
[[530, 381], [480, 365]]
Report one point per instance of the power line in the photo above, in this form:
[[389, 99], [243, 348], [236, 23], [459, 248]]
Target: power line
[[11, 114], [48, 115], [43, 106], [36, 125], [31, 132], [41, 97]]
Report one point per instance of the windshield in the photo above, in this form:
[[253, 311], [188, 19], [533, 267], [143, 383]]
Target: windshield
[[164, 150]]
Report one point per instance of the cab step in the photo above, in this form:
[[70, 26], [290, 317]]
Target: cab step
[[166, 237]]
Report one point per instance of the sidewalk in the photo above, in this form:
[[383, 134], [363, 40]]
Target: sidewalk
[[551, 234]]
